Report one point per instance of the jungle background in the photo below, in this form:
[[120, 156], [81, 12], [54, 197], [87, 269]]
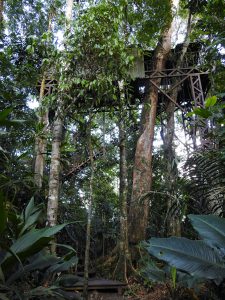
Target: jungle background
[[101, 166]]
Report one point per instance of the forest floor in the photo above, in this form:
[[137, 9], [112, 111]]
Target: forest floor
[[133, 293], [156, 292]]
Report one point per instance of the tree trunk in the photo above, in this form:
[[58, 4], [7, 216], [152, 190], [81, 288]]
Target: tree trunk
[[41, 142], [69, 9], [54, 177], [173, 218], [89, 214], [172, 225], [142, 172], [123, 254], [41, 138], [1, 11]]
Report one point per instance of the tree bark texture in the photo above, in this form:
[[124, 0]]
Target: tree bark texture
[[1, 11], [123, 239], [41, 141], [142, 172], [69, 9], [173, 218], [120, 271], [41, 138], [57, 135], [89, 215], [54, 177]]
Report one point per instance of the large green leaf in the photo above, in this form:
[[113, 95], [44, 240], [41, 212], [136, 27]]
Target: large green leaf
[[211, 229], [202, 112], [29, 209], [5, 122], [5, 113], [164, 274], [210, 101], [38, 261], [31, 221], [154, 273], [31, 243], [5, 251], [68, 280], [34, 236], [30, 216], [68, 247], [194, 257], [64, 265], [3, 296]]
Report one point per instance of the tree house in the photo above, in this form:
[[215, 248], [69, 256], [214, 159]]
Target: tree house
[[190, 80]]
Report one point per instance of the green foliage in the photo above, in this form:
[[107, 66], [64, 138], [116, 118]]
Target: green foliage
[[195, 6], [211, 101], [174, 276], [204, 182], [25, 262], [93, 56], [202, 259], [213, 113], [3, 213], [176, 281], [211, 229], [96, 57], [147, 19], [205, 171], [4, 121], [210, 30]]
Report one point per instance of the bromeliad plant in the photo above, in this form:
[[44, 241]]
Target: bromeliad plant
[[202, 259], [26, 266]]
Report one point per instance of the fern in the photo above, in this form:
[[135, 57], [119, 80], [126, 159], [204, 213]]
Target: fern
[[205, 174]]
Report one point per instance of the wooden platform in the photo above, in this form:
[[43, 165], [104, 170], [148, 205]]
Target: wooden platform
[[99, 285]]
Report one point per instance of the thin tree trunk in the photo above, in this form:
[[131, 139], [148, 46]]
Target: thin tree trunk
[[123, 252], [123, 242], [41, 138], [41, 141], [1, 11], [69, 9], [89, 215], [142, 172], [54, 177], [104, 133], [172, 221]]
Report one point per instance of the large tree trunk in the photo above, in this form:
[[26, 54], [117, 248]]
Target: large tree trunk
[[173, 217], [142, 172]]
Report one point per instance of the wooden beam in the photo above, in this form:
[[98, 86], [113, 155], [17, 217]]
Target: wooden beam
[[164, 93]]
